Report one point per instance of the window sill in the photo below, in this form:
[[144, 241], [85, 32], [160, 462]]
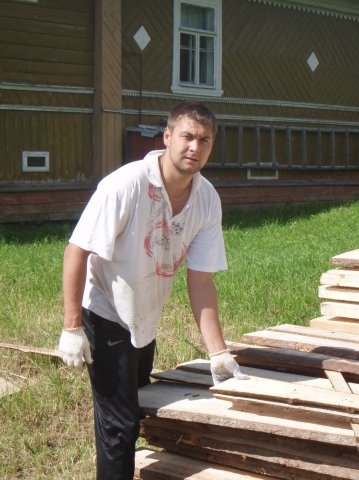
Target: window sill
[[196, 91]]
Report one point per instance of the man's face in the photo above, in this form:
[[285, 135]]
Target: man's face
[[189, 145]]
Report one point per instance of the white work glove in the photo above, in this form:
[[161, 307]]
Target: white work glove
[[74, 346], [224, 366]]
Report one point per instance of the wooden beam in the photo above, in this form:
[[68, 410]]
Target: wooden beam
[[286, 359], [198, 372], [323, 346], [345, 294], [279, 457], [107, 127], [30, 349], [336, 324], [294, 394], [196, 404], [340, 309], [341, 277], [316, 333], [155, 465], [347, 258]]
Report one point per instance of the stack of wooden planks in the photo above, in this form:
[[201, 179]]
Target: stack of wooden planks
[[339, 288], [297, 417], [278, 424]]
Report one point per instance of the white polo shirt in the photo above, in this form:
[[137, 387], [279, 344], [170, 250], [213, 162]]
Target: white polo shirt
[[138, 245]]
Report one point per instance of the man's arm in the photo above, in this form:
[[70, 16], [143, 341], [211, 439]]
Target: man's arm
[[203, 298], [74, 345], [74, 276]]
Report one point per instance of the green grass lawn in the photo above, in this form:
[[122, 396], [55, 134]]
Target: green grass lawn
[[275, 258]]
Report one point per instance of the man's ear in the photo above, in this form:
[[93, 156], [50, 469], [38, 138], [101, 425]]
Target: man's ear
[[166, 136]]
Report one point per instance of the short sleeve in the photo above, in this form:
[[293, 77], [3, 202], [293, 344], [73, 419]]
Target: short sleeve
[[100, 223], [206, 252]]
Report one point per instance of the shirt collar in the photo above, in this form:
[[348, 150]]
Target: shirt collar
[[154, 174]]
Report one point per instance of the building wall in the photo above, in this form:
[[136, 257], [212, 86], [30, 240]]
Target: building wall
[[266, 78], [46, 88], [72, 81]]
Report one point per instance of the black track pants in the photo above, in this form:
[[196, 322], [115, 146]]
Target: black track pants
[[116, 373]]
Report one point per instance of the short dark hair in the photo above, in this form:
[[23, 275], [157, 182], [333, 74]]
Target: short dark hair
[[196, 111]]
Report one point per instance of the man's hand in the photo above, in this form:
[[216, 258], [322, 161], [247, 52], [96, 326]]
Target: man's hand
[[74, 346], [224, 366]]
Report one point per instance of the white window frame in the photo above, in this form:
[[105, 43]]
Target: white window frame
[[192, 89], [28, 154]]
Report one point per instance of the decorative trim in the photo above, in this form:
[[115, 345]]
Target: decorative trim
[[34, 87], [307, 6], [244, 101], [42, 108], [238, 118]]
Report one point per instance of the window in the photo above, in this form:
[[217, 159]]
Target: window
[[197, 47]]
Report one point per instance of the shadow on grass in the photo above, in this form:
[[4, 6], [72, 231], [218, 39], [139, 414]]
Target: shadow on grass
[[30, 232], [280, 215]]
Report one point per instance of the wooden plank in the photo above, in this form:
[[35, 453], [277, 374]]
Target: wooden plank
[[318, 333], [341, 277], [285, 459], [201, 367], [183, 376], [29, 349], [347, 258], [196, 404], [287, 359], [336, 324], [271, 338], [346, 294], [288, 393], [199, 373], [338, 381], [154, 465], [341, 385], [273, 408], [340, 309]]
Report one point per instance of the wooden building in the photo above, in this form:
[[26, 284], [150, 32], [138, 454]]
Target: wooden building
[[85, 86]]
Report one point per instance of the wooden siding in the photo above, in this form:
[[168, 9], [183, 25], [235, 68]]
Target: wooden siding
[[157, 18], [47, 42], [107, 131], [67, 137], [265, 52]]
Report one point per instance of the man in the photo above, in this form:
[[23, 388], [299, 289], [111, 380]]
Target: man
[[143, 220]]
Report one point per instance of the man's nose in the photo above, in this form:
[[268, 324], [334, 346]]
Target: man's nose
[[194, 145]]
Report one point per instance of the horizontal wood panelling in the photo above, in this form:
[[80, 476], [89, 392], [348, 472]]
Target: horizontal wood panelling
[[47, 42], [54, 99], [52, 73], [39, 11], [67, 137]]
